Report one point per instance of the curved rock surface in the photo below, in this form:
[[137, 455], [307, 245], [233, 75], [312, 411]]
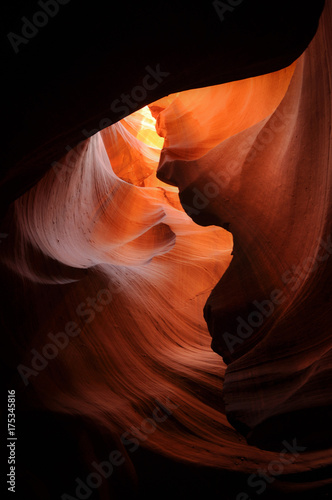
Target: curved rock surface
[[111, 276], [270, 185]]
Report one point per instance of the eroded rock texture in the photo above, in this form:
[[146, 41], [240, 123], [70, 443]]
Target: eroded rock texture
[[269, 182], [111, 276]]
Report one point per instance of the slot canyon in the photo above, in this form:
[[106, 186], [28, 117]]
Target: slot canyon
[[166, 251]]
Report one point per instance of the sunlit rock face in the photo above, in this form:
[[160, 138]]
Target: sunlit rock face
[[125, 268], [110, 258], [269, 182]]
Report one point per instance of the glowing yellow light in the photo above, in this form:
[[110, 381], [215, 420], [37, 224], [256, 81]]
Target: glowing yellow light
[[141, 126], [146, 131]]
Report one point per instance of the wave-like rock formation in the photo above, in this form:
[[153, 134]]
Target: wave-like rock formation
[[268, 180], [113, 277]]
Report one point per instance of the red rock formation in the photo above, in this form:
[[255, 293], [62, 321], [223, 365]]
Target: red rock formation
[[110, 260], [270, 314]]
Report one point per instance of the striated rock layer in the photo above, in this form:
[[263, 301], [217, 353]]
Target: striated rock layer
[[114, 276], [269, 183]]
